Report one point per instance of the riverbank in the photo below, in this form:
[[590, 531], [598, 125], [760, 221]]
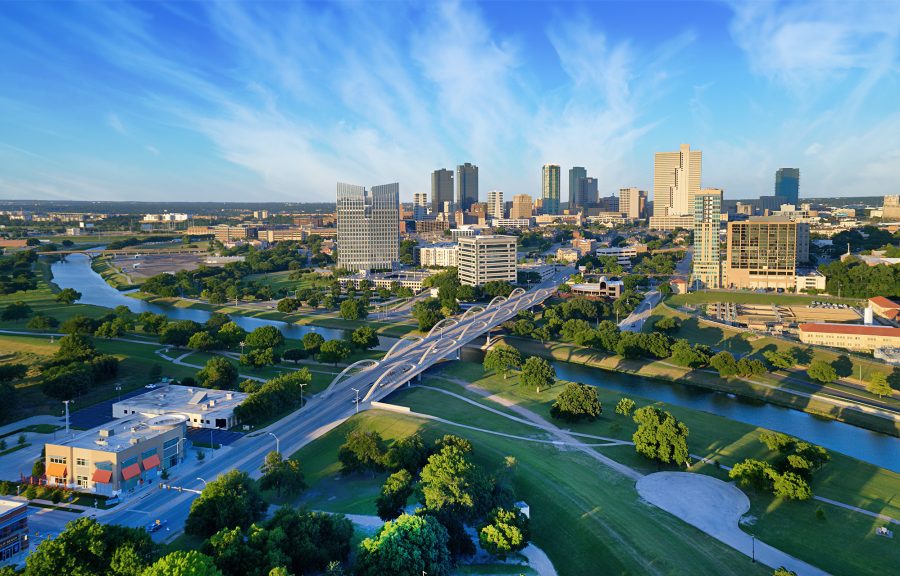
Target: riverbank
[[810, 403]]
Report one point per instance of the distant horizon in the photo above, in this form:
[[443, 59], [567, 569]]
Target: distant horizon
[[230, 100]]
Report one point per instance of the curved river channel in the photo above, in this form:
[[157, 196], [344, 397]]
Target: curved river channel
[[879, 449]]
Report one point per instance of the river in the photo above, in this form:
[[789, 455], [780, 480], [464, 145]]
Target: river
[[878, 449], [76, 272]]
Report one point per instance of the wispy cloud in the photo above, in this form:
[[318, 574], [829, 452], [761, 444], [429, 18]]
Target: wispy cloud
[[115, 123]]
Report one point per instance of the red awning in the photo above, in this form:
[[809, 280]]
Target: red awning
[[130, 472], [56, 470], [102, 476], [151, 462]]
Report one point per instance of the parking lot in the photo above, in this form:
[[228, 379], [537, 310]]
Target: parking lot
[[98, 414], [203, 436]]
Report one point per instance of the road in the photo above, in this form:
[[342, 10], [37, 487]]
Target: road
[[635, 320], [321, 413]]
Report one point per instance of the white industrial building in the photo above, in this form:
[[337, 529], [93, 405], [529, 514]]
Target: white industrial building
[[203, 407]]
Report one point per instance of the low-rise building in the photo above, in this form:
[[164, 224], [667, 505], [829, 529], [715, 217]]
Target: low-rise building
[[603, 288], [672, 222], [568, 254], [885, 309], [679, 286], [118, 456], [622, 254], [850, 336], [810, 280], [202, 407], [13, 528], [584, 245], [488, 258], [520, 223], [445, 255], [405, 279]]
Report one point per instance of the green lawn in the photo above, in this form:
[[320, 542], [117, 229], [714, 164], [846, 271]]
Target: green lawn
[[113, 276], [789, 525], [705, 297], [583, 514]]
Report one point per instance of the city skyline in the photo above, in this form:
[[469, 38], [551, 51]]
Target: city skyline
[[214, 102]]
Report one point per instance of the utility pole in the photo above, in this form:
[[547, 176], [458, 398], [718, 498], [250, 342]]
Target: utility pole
[[302, 386], [357, 399], [277, 444]]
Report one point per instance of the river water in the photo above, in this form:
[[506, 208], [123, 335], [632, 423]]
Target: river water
[[76, 272], [879, 449]]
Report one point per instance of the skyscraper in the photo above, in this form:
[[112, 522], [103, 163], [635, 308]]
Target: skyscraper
[[632, 202], [586, 194], [550, 189], [368, 226], [441, 189], [676, 179], [576, 173], [707, 267], [787, 184], [521, 207], [763, 252], [466, 186], [495, 204], [420, 205]]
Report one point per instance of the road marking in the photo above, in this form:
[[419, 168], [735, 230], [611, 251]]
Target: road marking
[[141, 511]]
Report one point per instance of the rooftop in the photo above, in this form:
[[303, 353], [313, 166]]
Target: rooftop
[[173, 399], [8, 505], [883, 302], [123, 433], [857, 329]]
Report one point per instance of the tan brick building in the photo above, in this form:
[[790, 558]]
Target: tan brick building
[[850, 336]]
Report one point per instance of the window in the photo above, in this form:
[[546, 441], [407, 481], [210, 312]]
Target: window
[[83, 481], [81, 462], [58, 459]]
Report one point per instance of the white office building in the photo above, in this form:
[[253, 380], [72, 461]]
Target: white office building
[[487, 258], [495, 204], [368, 227], [445, 255], [420, 205]]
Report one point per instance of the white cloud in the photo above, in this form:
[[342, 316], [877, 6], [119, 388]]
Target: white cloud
[[813, 149], [151, 149], [116, 123]]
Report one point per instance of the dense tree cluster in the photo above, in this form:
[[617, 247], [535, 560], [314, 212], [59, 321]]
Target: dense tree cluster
[[75, 367], [855, 279], [660, 436], [273, 397], [790, 471], [577, 402], [16, 274]]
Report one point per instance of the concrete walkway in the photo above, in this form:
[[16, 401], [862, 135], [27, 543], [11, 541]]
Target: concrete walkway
[[715, 507]]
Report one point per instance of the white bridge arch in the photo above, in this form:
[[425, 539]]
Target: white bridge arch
[[358, 366]]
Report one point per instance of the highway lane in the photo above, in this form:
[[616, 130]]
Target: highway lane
[[321, 414], [635, 320]]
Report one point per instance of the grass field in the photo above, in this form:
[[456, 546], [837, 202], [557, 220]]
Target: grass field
[[108, 271], [792, 526], [583, 515], [694, 298], [281, 281]]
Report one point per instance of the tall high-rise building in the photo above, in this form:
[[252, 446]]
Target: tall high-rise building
[[633, 202], [707, 263], [495, 204], [676, 178], [763, 252], [521, 207], [787, 184], [466, 186], [550, 189], [586, 194], [485, 259], [420, 205], [368, 226], [576, 173], [441, 189]]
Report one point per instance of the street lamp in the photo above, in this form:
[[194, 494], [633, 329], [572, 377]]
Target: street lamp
[[118, 392], [277, 449], [66, 402], [357, 399], [202, 480], [753, 550], [302, 386], [242, 347]]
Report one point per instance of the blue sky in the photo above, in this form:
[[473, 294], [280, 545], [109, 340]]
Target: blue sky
[[278, 101]]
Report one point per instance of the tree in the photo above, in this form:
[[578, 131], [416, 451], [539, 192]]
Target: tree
[[688, 356], [312, 341], [79, 324], [202, 341], [427, 313], [231, 335], [660, 436], [791, 486], [782, 571], [502, 358], [219, 373], [42, 322], [537, 373], [407, 545], [288, 305], [577, 402], [259, 357], [821, 371], [74, 348], [394, 493], [68, 296], [724, 363], [776, 441], [364, 337], [181, 563], [16, 311], [353, 309], [879, 385], [753, 474], [451, 485], [265, 337], [625, 406], [178, 333], [228, 501], [295, 354], [362, 451], [279, 474], [780, 360], [10, 372], [408, 453], [333, 351], [505, 532], [668, 323]]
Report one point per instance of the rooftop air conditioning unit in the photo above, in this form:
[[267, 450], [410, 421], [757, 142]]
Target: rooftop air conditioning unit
[[134, 441]]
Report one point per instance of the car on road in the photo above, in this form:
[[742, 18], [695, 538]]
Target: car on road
[[156, 526]]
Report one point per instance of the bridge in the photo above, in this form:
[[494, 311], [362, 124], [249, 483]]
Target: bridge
[[146, 251], [412, 355]]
